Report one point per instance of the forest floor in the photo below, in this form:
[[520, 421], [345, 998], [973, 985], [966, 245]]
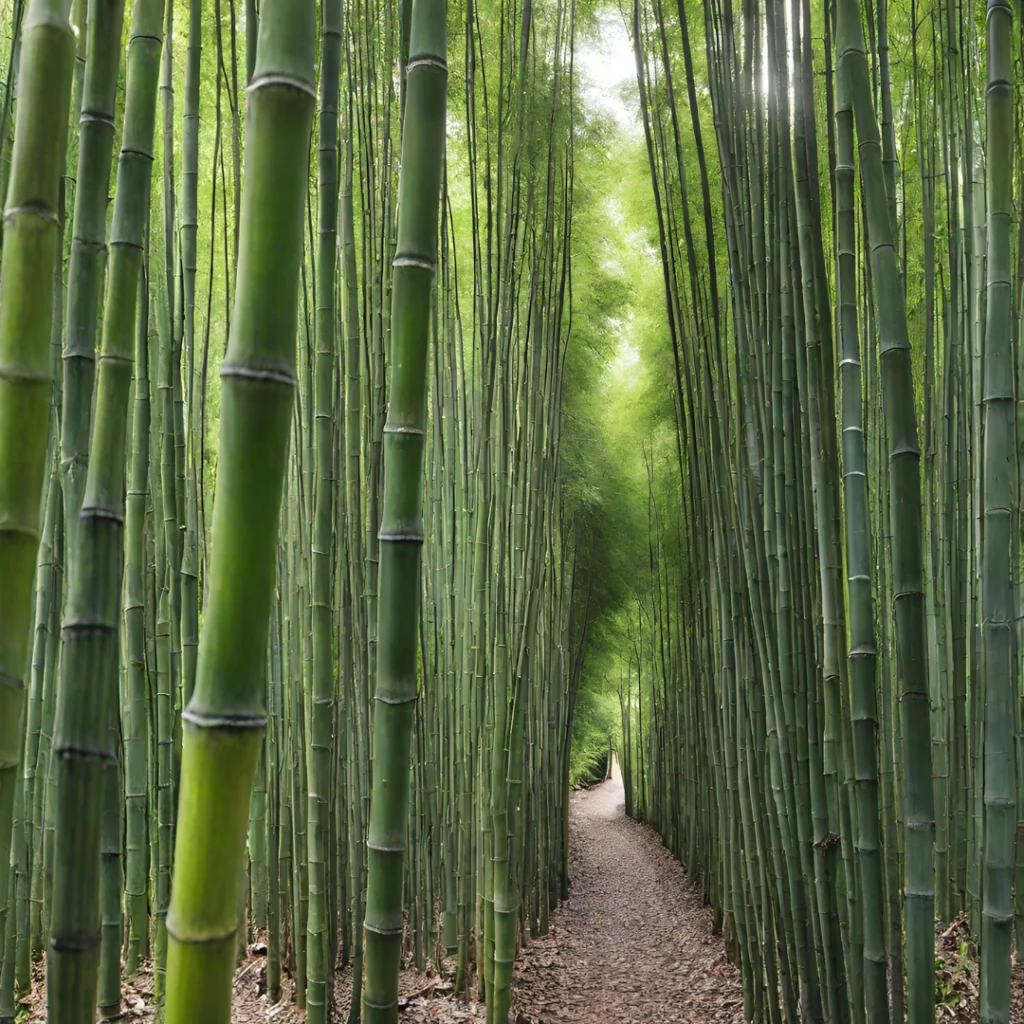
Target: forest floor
[[633, 945]]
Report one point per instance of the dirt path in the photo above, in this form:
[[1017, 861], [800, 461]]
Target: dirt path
[[634, 942]]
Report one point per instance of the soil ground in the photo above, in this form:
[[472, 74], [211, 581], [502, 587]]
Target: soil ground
[[634, 941]]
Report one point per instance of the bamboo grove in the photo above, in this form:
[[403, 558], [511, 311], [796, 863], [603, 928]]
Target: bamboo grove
[[819, 666], [283, 358], [331, 551]]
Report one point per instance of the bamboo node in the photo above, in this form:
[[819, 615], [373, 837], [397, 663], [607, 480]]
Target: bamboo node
[[369, 1002], [416, 262], [70, 752], [125, 243], [87, 356], [386, 698], [863, 651], [427, 61], [75, 942], [9, 525], [382, 931], [401, 429], [23, 375], [85, 245], [288, 81], [96, 117], [44, 213], [827, 842], [383, 847], [85, 627], [905, 448], [996, 918], [229, 722], [253, 373], [105, 514]]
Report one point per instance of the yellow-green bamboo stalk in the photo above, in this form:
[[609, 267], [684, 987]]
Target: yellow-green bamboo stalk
[[225, 720]]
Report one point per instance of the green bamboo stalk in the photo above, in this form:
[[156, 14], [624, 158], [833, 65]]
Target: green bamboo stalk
[[355, 606], [9, 1006], [7, 107], [111, 920], [186, 492], [168, 378], [88, 247], [1000, 678], [401, 531], [863, 653], [162, 802], [41, 690], [273, 747], [322, 697], [905, 512], [39, 727], [30, 242], [257, 849], [46, 767], [82, 742], [136, 728], [225, 720]]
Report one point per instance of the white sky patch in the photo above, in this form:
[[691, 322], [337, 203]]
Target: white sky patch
[[626, 367], [627, 358], [633, 236], [608, 71]]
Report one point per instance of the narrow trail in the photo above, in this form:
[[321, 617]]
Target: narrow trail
[[633, 943]]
